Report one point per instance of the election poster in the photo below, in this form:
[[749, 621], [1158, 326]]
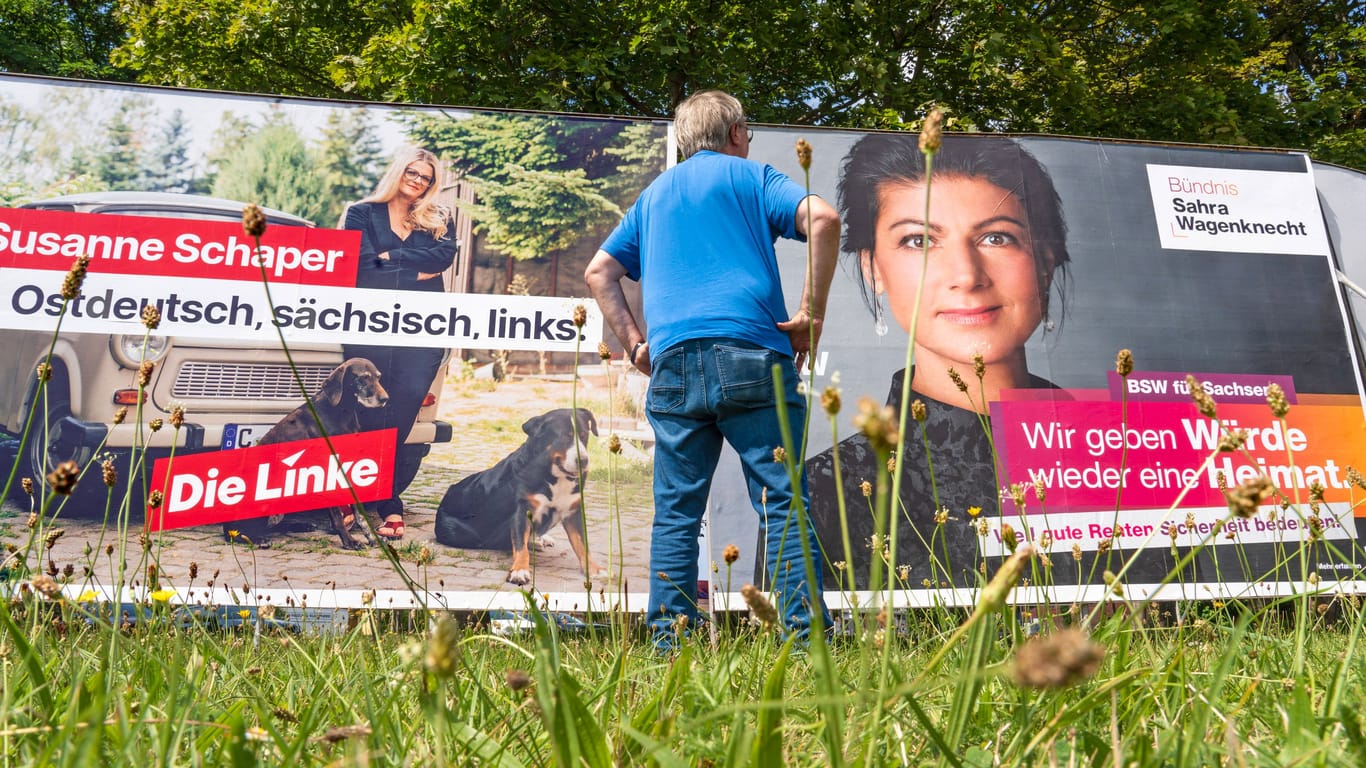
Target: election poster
[[202, 407], [1170, 476], [205, 415]]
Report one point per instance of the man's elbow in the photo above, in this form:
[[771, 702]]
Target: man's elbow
[[599, 271], [822, 217], [825, 216]]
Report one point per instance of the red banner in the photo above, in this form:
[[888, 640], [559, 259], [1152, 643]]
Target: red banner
[[276, 479], [148, 245]]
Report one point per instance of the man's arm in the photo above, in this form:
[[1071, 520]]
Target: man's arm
[[603, 275], [820, 223]]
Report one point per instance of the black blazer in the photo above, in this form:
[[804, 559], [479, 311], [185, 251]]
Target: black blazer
[[419, 253]]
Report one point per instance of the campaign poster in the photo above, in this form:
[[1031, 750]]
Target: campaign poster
[[410, 334], [1047, 256]]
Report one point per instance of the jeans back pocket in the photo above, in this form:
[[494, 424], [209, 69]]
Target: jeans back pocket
[[746, 375], [667, 382]]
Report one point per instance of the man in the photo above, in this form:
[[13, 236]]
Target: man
[[700, 241]]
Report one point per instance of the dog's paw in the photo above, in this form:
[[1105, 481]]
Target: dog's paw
[[545, 542], [521, 577]]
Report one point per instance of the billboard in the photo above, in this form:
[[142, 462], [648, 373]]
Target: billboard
[[444, 353], [1047, 256], [423, 268]]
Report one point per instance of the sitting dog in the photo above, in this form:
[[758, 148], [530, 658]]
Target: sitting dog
[[351, 386], [516, 502]]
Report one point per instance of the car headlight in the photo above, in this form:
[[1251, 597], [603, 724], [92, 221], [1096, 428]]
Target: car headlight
[[131, 349]]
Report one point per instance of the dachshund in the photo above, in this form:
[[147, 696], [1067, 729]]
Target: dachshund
[[351, 386]]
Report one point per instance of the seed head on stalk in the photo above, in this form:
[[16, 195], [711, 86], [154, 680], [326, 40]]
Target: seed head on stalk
[[1203, 401], [878, 424], [918, 410], [759, 606], [1124, 362], [995, 592], [47, 586], [932, 134], [731, 554], [1058, 660], [151, 316], [253, 220], [71, 284], [443, 648], [830, 400], [1244, 499], [63, 478], [804, 154], [1275, 397]]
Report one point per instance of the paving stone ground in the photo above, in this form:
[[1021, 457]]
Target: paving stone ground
[[487, 420]]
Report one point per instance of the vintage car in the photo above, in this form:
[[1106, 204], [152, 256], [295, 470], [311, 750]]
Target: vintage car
[[232, 392]]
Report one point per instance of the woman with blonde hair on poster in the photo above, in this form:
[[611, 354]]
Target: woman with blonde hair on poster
[[407, 243]]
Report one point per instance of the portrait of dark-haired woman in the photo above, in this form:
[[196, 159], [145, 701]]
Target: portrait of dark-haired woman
[[997, 252]]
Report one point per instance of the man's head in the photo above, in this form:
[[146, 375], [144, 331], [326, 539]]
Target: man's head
[[711, 120]]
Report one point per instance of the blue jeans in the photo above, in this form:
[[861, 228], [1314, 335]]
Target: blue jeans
[[701, 391]]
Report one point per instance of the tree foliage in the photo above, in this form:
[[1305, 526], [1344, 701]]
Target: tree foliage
[[541, 181], [72, 38], [1270, 72], [350, 159], [271, 167]]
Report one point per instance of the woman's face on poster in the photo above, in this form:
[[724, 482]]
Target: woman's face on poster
[[417, 177], [982, 292]]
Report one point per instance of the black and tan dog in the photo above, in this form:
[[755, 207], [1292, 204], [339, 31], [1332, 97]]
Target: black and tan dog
[[352, 386], [514, 504]]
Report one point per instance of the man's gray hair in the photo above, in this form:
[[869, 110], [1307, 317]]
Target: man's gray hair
[[703, 121]]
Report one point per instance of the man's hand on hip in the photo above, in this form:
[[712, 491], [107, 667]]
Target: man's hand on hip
[[804, 331]]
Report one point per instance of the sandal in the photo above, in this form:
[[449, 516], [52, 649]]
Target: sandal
[[392, 528]]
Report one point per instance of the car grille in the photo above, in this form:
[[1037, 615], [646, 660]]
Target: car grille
[[235, 381]]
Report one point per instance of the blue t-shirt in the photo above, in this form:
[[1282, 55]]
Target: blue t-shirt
[[700, 241]]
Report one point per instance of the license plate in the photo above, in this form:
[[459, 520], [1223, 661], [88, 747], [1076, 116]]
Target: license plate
[[243, 435]]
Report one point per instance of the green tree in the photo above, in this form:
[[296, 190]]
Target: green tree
[[542, 182], [268, 46], [167, 165], [71, 38], [1271, 72], [274, 168], [121, 161], [1321, 75], [229, 141], [350, 159]]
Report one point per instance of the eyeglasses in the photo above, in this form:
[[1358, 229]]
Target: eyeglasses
[[411, 175], [750, 133]]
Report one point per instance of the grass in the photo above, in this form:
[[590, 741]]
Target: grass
[[1210, 691]]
